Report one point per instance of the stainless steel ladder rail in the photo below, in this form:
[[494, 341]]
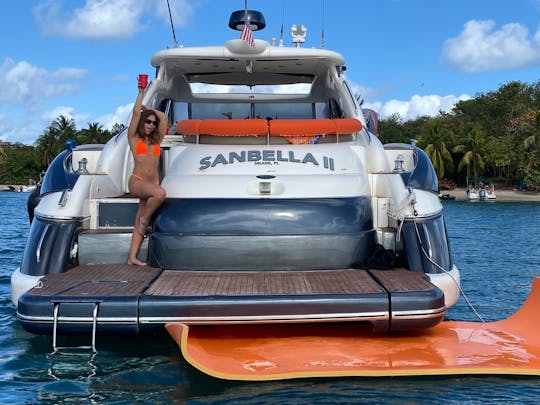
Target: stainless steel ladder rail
[[56, 309]]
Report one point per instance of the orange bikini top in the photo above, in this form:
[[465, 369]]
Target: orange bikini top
[[142, 149]]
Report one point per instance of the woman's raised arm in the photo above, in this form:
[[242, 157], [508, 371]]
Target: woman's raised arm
[[136, 115]]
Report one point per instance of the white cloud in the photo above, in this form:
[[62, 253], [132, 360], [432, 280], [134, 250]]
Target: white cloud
[[4, 127], [120, 116], [417, 106], [107, 19], [14, 129], [480, 48], [25, 84], [69, 112]]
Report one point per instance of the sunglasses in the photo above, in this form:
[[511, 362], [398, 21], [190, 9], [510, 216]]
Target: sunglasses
[[154, 123]]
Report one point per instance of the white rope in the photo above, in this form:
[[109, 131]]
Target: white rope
[[400, 213], [401, 210], [471, 306]]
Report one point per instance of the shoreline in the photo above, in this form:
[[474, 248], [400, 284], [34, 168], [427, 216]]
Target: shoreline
[[18, 188], [503, 194]]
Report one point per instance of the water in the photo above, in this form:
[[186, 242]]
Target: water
[[496, 245]]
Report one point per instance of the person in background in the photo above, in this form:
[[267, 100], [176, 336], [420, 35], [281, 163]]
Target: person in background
[[145, 133]]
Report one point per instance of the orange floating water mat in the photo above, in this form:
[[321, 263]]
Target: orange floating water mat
[[275, 352]]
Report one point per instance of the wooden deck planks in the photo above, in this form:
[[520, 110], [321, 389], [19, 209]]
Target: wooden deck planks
[[402, 280], [259, 283], [125, 280], [97, 280]]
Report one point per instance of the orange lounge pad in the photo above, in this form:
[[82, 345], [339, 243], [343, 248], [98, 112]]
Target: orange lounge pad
[[275, 352]]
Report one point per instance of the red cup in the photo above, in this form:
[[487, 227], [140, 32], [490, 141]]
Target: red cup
[[143, 81]]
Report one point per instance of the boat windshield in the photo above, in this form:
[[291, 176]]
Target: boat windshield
[[294, 88], [241, 110]]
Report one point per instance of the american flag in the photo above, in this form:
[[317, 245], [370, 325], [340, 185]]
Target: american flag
[[247, 35]]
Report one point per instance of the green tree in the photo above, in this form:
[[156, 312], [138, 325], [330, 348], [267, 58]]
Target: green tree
[[117, 128], [532, 142], [53, 140], [2, 152], [93, 134], [20, 164], [391, 130], [472, 151], [493, 110], [395, 130], [435, 141], [532, 148]]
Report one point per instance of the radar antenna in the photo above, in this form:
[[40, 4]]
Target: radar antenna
[[172, 25], [298, 33]]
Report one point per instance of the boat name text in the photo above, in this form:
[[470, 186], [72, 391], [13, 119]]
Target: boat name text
[[265, 157]]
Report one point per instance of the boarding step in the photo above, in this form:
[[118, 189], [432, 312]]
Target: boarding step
[[107, 246], [57, 319]]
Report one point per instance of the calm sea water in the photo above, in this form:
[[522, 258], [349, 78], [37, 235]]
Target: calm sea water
[[496, 245]]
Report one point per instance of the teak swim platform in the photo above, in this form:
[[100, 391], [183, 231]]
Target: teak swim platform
[[130, 298]]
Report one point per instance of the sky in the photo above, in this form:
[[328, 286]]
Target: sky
[[80, 58]]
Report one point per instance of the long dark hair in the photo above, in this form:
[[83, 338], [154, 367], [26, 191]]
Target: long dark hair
[[153, 136]]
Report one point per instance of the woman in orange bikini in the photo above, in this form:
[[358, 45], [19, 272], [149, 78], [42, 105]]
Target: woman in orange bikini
[[145, 133]]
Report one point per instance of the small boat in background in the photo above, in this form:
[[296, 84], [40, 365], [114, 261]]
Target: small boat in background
[[446, 196], [490, 193], [9, 189], [480, 189], [473, 194], [29, 188]]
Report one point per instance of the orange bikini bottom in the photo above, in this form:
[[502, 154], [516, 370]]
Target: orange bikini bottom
[[141, 179]]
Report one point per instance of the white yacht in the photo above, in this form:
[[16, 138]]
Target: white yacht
[[282, 206]]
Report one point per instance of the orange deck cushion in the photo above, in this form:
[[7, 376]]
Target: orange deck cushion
[[307, 127], [188, 127], [347, 125], [278, 127], [240, 127], [302, 127]]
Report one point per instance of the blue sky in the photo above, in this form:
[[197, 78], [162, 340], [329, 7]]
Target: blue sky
[[80, 58]]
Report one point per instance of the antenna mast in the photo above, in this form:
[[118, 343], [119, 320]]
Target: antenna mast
[[282, 19], [322, 33], [172, 24]]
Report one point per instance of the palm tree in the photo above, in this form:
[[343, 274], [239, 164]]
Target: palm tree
[[437, 149], [65, 127], [472, 151], [46, 146], [53, 140], [117, 128], [93, 134]]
